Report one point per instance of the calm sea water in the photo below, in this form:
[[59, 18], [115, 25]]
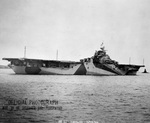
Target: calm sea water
[[105, 99]]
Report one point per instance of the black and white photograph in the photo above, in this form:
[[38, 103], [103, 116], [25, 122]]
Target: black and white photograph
[[74, 61]]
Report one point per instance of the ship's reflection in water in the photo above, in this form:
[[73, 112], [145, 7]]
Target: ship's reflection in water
[[74, 98]]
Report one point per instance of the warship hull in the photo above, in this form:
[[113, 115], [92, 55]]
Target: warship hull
[[110, 69], [99, 64], [87, 67], [78, 70], [47, 67]]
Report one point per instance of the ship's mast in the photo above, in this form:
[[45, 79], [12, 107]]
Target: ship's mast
[[143, 61], [57, 55], [25, 52], [129, 60]]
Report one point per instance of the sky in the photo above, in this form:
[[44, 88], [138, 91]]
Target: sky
[[76, 28]]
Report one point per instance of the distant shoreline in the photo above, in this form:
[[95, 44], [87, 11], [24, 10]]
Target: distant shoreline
[[4, 67]]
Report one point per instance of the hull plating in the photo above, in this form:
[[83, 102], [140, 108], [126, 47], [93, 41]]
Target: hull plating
[[88, 68], [78, 69], [19, 69], [75, 70], [92, 70]]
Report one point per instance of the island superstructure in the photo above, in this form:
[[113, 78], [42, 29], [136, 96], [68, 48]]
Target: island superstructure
[[99, 64]]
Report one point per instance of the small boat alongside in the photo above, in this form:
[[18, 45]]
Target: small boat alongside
[[145, 71]]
